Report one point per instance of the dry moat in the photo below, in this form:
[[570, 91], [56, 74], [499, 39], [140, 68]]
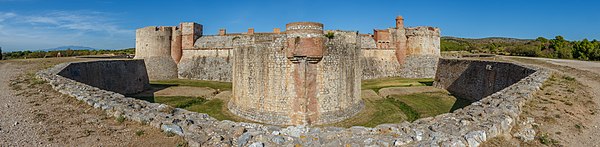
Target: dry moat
[[387, 100]]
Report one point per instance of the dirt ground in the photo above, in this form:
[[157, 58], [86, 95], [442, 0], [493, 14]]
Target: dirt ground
[[33, 114], [566, 109]]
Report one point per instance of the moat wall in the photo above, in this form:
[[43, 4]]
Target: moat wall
[[492, 116], [121, 76], [474, 80]]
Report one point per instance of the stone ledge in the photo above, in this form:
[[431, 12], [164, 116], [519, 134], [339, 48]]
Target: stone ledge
[[491, 116]]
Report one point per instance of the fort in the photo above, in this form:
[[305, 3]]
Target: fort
[[291, 82], [298, 76]]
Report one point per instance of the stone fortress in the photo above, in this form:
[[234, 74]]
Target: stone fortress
[[286, 79], [304, 75]]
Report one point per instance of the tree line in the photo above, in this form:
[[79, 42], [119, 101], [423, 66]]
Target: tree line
[[540, 47], [63, 53]]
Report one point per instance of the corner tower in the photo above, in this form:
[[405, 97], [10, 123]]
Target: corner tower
[[153, 44]]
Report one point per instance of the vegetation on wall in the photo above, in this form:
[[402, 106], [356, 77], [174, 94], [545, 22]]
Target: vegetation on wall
[[540, 47], [64, 53]]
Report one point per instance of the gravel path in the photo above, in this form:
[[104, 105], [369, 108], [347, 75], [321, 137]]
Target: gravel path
[[15, 126], [33, 114]]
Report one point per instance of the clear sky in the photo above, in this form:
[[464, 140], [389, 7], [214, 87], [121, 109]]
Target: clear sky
[[111, 24]]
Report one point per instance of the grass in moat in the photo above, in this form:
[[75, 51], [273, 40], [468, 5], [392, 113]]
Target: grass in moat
[[376, 84], [396, 109], [430, 103], [392, 109]]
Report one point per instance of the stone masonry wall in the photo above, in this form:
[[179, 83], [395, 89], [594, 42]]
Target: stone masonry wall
[[379, 63], [121, 76], [474, 80], [418, 57], [266, 85], [211, 65], [489, 117]]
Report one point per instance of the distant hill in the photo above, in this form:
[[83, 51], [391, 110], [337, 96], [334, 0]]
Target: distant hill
[[68, 47], [487, 45], [488, 40]]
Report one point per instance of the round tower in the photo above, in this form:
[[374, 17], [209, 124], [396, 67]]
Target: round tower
[[302, 78], [153, 44]]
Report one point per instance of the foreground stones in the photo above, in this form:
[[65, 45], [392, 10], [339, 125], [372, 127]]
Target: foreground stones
[[492, 116]]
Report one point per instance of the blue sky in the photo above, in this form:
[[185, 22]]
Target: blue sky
[[111, 24]]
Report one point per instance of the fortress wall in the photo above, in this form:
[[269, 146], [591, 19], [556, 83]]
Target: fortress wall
[[209, 42], [423, 41], [153, 44], [121, 76], [474, 80], [367, 42], [210, 65], [419, 66], [379, 63]]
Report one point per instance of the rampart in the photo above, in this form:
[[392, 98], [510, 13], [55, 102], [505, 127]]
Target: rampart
[[491, 116], [393, 52], [121, 76]]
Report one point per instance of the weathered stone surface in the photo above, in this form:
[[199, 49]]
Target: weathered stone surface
[[121, 76], [210, 65], [474, 80], [272, 87], [173, 128]]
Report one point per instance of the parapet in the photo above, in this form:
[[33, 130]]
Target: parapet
[[155, 29], [304, 28], [423, 31], [305, 39]]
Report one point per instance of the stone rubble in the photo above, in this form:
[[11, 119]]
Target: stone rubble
[[492, 116]]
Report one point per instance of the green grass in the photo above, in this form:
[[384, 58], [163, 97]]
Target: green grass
[[385, 111], [214, 107], [393, 109], [376, 84], [223, 86], [432, 104]]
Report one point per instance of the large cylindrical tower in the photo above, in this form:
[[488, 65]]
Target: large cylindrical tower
[[302, 77], [153, 44]]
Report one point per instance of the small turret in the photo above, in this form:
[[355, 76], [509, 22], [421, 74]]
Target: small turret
[[399, 22], [222, 32]]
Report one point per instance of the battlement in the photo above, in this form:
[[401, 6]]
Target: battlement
[[423, 31], [150, 29], [304, 28]]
